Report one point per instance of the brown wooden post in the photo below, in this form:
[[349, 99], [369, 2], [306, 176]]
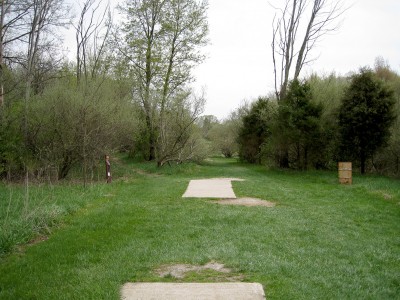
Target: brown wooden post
[[108, 169], [345, 173]]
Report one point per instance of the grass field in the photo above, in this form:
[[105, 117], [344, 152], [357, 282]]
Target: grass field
[[321, 241]]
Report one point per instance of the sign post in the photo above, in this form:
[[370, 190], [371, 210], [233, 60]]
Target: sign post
[[108, 169]]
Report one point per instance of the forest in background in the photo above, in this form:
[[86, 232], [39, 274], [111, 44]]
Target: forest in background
[[129, 89], [313, 126]]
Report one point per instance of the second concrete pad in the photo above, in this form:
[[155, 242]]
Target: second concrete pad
[[211, 188]]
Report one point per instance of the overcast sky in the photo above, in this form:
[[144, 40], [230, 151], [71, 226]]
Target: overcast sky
[[239, 64]]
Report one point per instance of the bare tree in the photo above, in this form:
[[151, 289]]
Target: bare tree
[[176, 142], [12, 29], [297, 28], [91, 33], [3, 12], [42, 17]]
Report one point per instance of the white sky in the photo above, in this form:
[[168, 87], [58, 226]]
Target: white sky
[[239, 65]]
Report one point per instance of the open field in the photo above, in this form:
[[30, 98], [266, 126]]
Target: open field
[[321, 241]]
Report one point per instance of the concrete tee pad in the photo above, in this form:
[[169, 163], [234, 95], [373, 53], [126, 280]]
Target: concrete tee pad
[[193, 291], [211, 188]]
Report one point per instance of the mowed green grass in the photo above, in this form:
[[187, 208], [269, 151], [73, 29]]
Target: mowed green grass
[[321, 241]]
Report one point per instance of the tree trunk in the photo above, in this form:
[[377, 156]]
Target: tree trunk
[[146, 100], [305, 167], [161, 125], [284, 158], [152, 140], [362, 161], [152, 146]]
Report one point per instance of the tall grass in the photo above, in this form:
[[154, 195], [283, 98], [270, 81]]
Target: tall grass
[[32, 212], [22, 221]]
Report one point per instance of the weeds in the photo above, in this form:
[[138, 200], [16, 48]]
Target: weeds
[[22, 220]]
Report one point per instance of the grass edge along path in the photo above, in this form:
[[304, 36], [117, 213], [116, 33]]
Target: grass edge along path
[[321, 241]]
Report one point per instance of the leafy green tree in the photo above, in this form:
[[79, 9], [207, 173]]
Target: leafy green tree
[[161, 46], [365, 117], [327, 91]]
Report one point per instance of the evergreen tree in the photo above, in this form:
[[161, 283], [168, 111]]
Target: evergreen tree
[[254, 131], [298, 124], [365, 117]]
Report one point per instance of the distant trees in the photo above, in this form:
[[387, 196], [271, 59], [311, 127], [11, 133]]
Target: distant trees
[[224, 138], [67, 114], [325, 120], [206, 123], [365, 117], [68, 128], [27, 34]]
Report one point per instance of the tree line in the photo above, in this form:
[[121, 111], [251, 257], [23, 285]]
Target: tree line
[[310, 122], [321, 121], [128, 88]]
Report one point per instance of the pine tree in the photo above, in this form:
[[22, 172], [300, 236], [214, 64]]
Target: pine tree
[[298, 124], [365, 117]]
